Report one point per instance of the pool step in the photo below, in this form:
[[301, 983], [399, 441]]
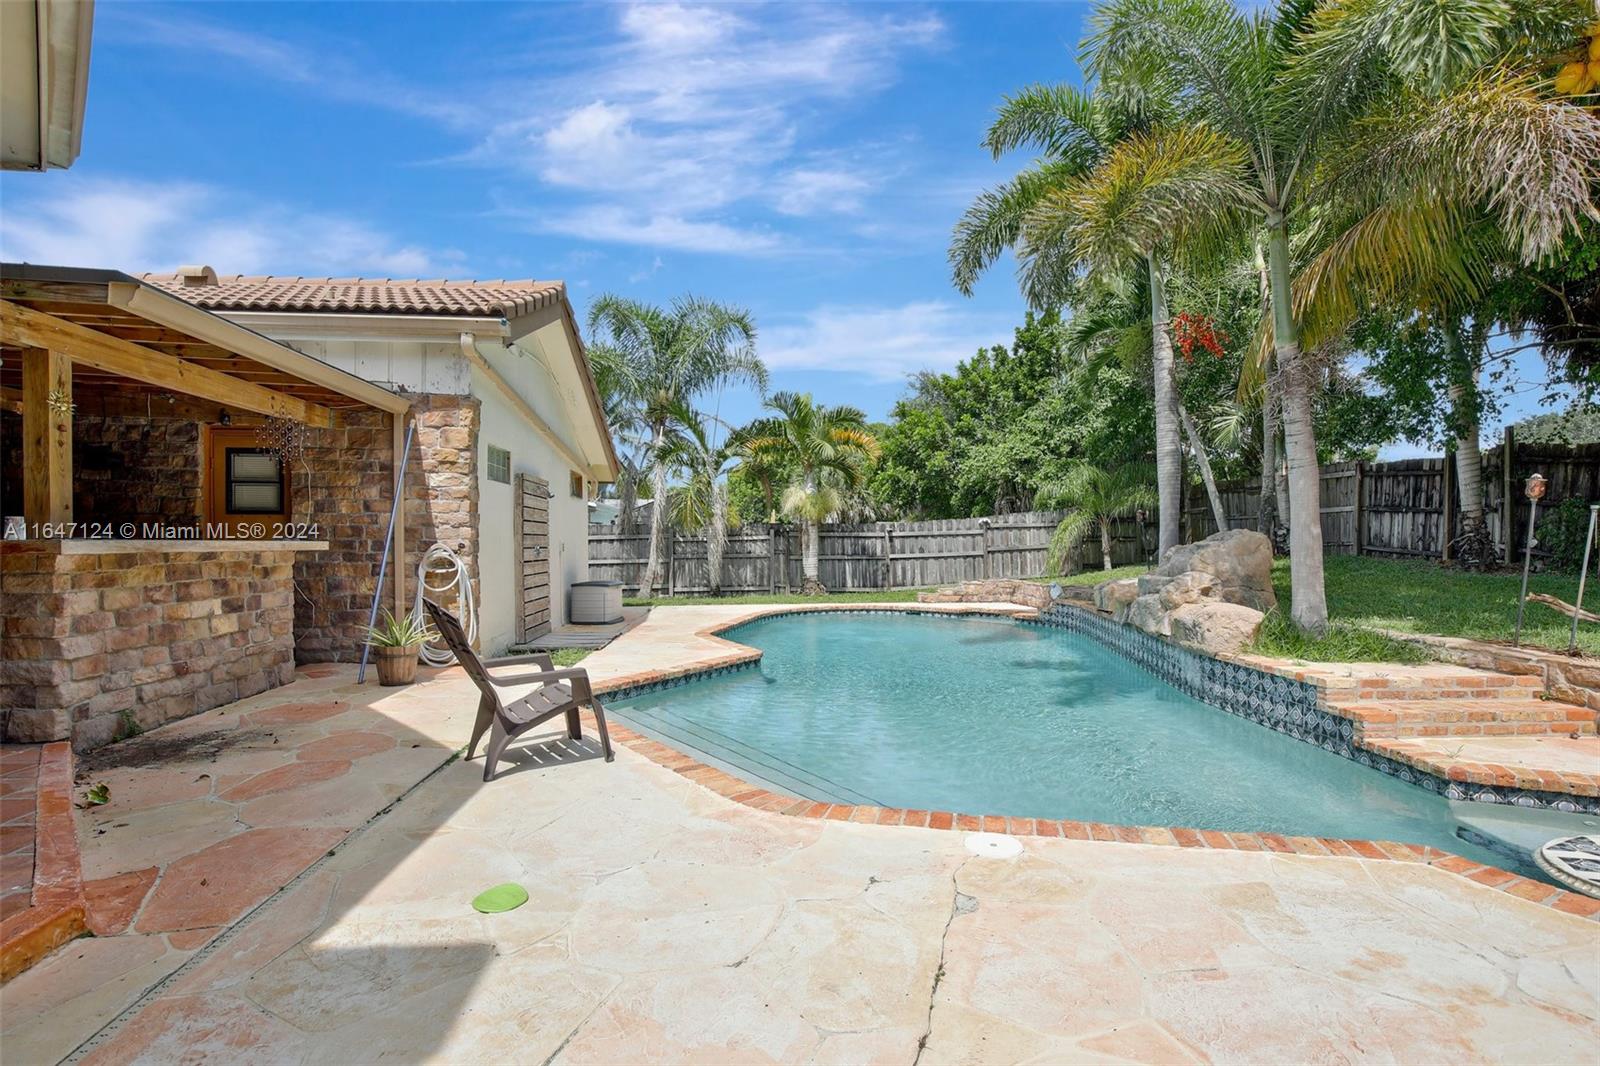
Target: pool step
[[1467, 717]]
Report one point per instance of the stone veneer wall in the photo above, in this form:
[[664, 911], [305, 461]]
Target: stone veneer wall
[[341, 487], [344, 488], [124, 468], [99, 646], [442, 483]]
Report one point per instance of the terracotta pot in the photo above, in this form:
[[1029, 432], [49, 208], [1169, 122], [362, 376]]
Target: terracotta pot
[[396, 666]]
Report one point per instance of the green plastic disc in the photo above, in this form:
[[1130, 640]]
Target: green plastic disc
[[506, 897]]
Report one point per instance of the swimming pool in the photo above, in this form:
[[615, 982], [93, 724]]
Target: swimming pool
[[990, 716]]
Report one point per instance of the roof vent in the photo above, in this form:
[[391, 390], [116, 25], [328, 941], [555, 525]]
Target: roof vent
[[195, 277]]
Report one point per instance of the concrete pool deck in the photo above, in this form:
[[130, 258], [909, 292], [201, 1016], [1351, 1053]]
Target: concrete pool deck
[[670, 923]]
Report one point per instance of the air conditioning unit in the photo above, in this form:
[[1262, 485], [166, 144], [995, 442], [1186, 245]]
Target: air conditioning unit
[[595, 603]]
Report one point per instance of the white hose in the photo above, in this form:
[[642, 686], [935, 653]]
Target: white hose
[[440, 562]]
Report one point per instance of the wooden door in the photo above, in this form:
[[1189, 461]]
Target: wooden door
[[246, 489], [530, 516]]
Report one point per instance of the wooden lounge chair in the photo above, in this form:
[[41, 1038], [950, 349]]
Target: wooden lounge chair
[[513, 703]]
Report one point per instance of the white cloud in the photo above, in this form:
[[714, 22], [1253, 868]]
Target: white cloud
[[674, 130], [695, 111], [138, 226], [884, 343], [620, 225], [816, 191]]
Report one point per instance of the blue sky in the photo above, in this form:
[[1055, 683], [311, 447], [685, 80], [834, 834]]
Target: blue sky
[[804, 162]]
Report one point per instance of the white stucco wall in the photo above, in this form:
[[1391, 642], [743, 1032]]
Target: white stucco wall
[[441, 368], [531, 453]]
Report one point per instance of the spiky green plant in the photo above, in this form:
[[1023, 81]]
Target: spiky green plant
[[1096, 496]]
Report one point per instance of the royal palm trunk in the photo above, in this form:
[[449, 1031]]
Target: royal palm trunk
[[1310, 606], [658, 513], [1203, 460], [1475, 546], [717, 536], [1169, 445]]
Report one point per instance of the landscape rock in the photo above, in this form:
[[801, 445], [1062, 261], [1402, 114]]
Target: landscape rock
[[1147, 613], [992, 590], [1111, 595], [1239, 560], [1215, 628], [1081, 594], [1193, 587]]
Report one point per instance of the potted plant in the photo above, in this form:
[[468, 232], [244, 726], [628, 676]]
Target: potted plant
[[396, 643]]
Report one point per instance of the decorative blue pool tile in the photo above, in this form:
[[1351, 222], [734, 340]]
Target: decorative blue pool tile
[[1282, 704]]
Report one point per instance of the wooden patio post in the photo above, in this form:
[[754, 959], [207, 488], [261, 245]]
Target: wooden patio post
[[46, 438], [1359, 514]]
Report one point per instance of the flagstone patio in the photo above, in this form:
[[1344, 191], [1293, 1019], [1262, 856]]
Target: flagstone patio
[[249, 907]]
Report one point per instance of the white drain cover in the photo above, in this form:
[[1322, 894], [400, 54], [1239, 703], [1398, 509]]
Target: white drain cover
[[994, 845]]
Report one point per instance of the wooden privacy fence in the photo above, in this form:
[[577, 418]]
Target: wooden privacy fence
[[870, 555], [1410, 508]]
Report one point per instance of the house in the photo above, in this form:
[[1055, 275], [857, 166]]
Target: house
[[207, 467], [497, 371]]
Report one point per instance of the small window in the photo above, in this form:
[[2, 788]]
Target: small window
[[255, 482], [499, 465], [578, 487]]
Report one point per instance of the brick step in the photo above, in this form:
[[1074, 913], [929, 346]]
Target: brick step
[[1450, 687], [1469, 717]]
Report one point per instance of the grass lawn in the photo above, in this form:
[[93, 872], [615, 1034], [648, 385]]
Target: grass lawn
[[1423, 597], [563, 657], [1365, 594]]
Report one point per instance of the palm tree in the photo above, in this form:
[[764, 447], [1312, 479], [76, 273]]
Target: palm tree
[[1112, 325], [658, 360], [1285, 86], [1075, 131], [767, 468], [1097, 496], [1419, 210], [828, 449], [701, 503]]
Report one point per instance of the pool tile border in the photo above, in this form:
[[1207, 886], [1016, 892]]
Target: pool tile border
[[1290, 702], [750, 795]]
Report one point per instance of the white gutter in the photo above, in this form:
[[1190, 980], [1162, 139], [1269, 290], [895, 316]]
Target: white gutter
[[318, 325], [469, 348]]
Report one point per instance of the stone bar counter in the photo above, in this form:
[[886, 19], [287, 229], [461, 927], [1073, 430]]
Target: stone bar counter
[[103, 638]]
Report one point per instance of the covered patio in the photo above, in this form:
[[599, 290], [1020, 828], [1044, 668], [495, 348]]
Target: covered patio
[[168, 478]]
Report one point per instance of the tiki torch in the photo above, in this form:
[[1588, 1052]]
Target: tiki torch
[[1533, 488]]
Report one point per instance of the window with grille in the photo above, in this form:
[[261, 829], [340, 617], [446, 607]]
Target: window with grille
[[499, 465]]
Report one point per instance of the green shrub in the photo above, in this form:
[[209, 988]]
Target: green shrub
[[1562, 532]]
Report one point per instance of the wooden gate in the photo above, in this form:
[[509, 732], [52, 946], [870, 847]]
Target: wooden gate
[[530, 517]]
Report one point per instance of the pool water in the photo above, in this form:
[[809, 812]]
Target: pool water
[[988, 716]]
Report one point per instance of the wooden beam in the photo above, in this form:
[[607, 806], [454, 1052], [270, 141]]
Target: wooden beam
[[46, 438], [30, 328], [397, 424]]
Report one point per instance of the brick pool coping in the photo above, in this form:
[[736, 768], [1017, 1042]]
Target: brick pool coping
[[759, 798], [57, 912]]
